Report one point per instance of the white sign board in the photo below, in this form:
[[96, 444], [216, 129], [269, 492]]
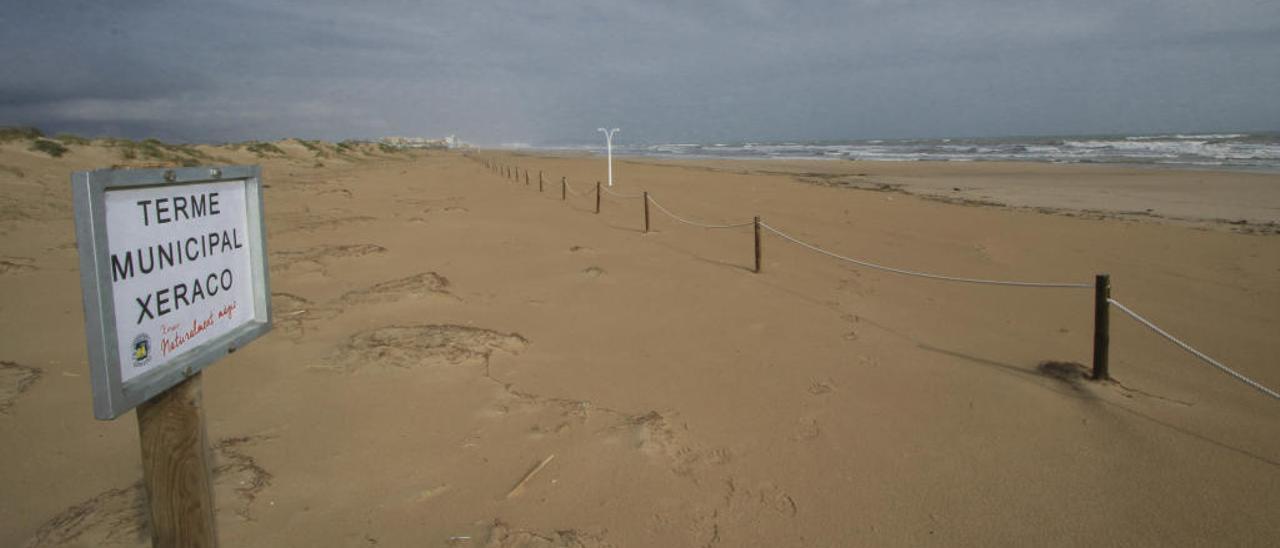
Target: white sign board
[[180, 272], [174, 273]]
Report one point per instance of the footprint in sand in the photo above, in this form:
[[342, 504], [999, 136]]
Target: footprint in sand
[[14, 380], [821, 388], [593, 272], [807, 429], [115, 517], [502, 535], [312, 222], [238, 478], [427, 206], [321, 255], [765, 496], [118, 517], [345, 193], [546, 416], [291, 313], [436, 210], [446, 209], [449, 200], [424, 346], [657, 436], [16, 265], [410, 287]]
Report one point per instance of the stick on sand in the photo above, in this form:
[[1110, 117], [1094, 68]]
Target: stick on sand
[[516, 490]]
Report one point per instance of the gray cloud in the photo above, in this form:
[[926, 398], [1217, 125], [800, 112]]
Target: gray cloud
[[550, 72]]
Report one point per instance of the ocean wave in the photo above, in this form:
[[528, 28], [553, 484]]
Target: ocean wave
[[1192, 136], [1222, 150]]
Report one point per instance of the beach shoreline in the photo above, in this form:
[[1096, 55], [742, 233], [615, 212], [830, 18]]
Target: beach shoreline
[[458, 355], [1247, 202]]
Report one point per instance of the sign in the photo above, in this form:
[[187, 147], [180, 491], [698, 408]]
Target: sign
[[174, 273]]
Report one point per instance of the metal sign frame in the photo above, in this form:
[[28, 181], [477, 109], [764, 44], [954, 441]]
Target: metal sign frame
[[111, 397]]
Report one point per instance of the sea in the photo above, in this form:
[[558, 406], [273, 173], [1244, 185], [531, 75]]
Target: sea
[[1236, 151]]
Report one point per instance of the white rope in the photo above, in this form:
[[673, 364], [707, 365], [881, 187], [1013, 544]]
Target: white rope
[[920, 274], [694, 223], [1195, 352], [576, 193], [620, 195]]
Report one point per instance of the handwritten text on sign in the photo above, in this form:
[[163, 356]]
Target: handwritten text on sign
[[180, 269]]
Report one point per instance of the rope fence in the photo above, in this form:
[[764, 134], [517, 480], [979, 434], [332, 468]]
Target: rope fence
[[1102, 284], [1201, 355], [868, 264], [694, 223], [573, 192], [621, 195]]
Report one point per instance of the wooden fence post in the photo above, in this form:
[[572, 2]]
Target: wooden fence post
[[526, 177], [563, 185], [1101, 326], [756, 224], [597, 197], [175, 466], [539, 180], [646, 212]]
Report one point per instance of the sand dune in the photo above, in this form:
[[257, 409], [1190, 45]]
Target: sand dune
[[441, 331]]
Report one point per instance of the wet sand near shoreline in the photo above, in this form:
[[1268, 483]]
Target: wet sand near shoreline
[[1248, 201]]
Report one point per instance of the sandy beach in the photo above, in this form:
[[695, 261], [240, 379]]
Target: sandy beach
[[442, 331]]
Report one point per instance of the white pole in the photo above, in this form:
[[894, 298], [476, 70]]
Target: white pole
[[608, 143]]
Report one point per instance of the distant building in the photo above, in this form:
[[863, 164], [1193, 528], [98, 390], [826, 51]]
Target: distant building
[[449, 142]]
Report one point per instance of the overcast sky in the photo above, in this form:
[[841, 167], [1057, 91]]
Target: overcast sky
[[550, 72]]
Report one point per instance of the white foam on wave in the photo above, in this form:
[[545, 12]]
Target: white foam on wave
[[1191, 136], [1230, 150], [1183, 148]]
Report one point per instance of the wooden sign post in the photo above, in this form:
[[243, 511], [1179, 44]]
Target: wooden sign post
[[173, 269], [176, 466]]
